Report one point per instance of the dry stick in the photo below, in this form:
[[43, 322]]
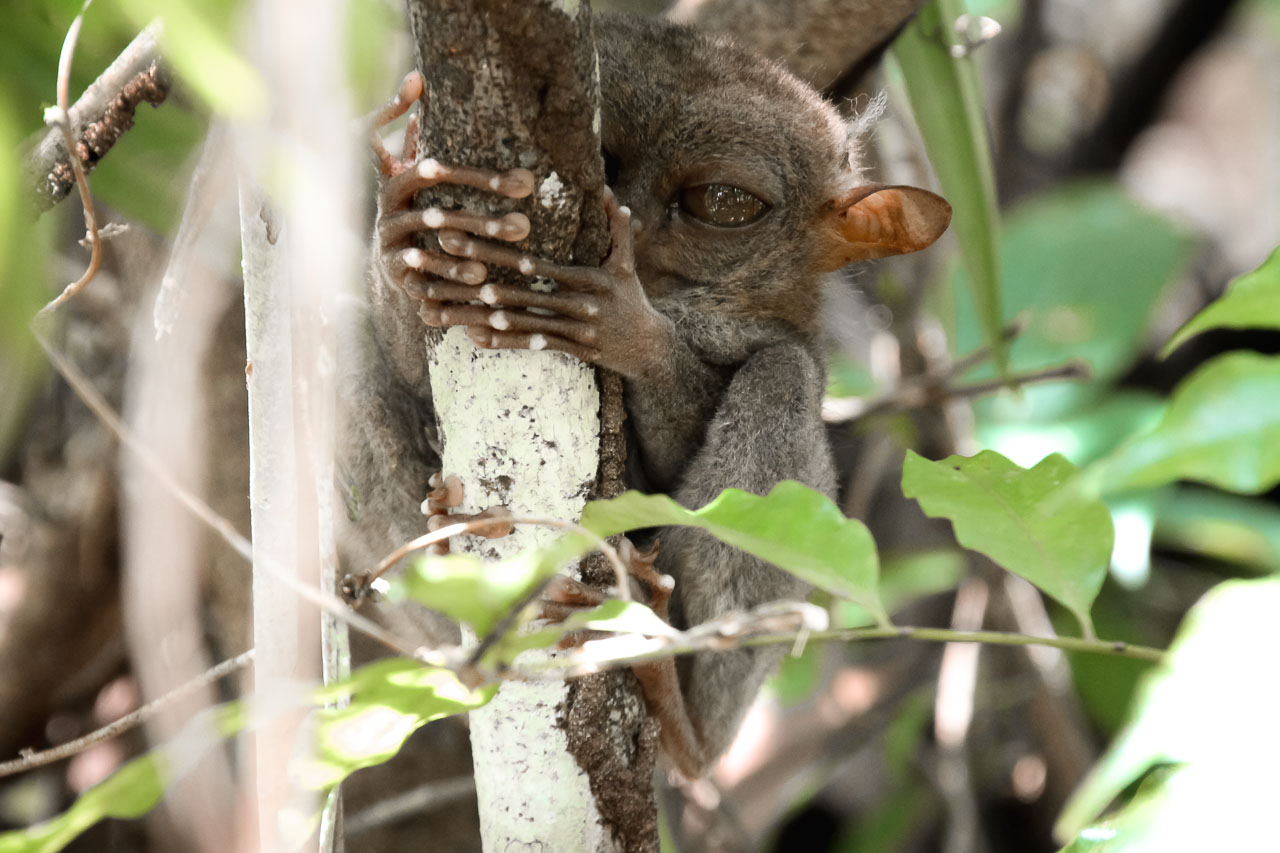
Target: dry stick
[[62, 118], [329, 604], [917, 394], [101, 115], [132, 720]]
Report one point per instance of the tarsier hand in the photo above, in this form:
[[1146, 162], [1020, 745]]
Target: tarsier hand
[[598, 314]]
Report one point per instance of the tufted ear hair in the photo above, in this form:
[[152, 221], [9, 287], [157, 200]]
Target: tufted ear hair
[[875, 221]]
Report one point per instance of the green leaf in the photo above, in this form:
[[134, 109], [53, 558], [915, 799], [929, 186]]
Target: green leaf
[[904, 578], [1086, 434], [388, 701], [1085, 265], [1211, 707], [135, 788], [468, 589], [946, 99], [130, 792], [1222, 427], [1252, 302], [1221, 526], [793, 527], [1025, 520]]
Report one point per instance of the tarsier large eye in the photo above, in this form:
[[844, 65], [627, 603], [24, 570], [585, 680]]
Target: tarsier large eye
[[721, 204]]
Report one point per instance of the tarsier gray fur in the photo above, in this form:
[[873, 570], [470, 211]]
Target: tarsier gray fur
[[736, 191]]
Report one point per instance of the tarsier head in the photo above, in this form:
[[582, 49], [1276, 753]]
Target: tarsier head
[[745, 182]]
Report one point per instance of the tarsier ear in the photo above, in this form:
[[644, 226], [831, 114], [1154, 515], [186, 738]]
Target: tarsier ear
[[877, 221]]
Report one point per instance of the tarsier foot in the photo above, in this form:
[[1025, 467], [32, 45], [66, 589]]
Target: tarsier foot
[[444, 497], [598, 314], [403, 175], [565, 596]]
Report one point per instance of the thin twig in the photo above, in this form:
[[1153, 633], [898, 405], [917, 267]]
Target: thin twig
[[932, 390], [710, 636], [132, 720], [424, 798], [62, 118], [93, 400], [461, 527]]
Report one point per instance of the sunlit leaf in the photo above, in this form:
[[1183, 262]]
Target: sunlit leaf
[[1211, 708], [469, 589], [1252, 302], [135, 788], [388, 701], [623, 617], [793, 527], [1222, 427], [1055, 537], [946, 100]]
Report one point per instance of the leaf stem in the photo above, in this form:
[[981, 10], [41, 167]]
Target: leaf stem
[[991, 638]]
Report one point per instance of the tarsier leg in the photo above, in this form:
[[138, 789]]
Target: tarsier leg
[[700, 699]]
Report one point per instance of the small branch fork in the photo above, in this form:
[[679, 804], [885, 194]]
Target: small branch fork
[[932, 389], [102, 114]]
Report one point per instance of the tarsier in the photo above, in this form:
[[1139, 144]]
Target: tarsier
[[736, 192]]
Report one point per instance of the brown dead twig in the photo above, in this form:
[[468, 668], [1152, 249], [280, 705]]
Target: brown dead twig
[[101, 116]]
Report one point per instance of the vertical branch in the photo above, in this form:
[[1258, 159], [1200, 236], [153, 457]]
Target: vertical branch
[[296, 258], [515, 84]]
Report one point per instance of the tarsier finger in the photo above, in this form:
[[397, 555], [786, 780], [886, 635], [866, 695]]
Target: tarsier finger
[[399, 264], [398, 226], [487, 338], [585, 279], [515, 183], [411, 89]]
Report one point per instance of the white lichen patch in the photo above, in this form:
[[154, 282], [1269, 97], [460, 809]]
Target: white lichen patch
[[551, 192], [521, 428]]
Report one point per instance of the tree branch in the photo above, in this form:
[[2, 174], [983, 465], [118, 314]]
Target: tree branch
[[99, 117]]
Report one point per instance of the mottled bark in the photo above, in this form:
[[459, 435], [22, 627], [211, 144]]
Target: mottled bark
[[515, 85]]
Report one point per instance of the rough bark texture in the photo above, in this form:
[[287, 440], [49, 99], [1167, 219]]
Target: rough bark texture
[[515, 84]]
